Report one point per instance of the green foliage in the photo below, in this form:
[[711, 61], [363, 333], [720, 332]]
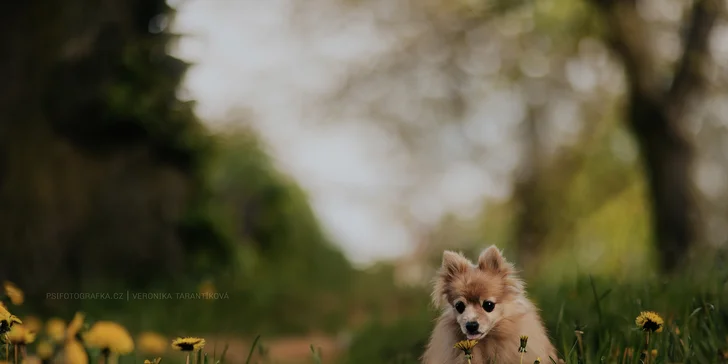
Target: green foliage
[[103, 167], [402, 341], [283, 259]]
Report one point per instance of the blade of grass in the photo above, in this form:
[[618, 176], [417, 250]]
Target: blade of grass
[[596, 299], [252, 348], [316, 355], [224, 353]]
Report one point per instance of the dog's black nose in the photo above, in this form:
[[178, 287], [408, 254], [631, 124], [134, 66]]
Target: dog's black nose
[[472, 327]]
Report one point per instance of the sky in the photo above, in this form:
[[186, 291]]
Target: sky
[[280, 62]]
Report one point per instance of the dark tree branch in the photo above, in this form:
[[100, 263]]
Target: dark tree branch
[[627, 37], [688, 77]]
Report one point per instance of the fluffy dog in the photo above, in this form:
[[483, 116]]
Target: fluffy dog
[[484, 302]]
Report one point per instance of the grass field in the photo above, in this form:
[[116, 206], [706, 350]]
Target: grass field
[[591, 320]]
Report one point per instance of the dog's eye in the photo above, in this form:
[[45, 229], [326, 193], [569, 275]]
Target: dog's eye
[[488, 306], [460, 307]]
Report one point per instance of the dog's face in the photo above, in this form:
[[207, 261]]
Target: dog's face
[[477, 296]]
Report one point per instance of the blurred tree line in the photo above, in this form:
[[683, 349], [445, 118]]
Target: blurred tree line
[[605, 99], [108, 181]]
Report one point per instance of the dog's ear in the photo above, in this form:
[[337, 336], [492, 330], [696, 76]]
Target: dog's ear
[[453, 264], [491, 260]]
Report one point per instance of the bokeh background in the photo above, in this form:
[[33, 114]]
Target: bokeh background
[[312, 160]]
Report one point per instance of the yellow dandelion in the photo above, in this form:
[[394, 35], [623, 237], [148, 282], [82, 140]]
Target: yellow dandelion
[[654, 353], [153, 361], [56, 329], [7, 320], [649, 321], [33, 323], [110, 337], [466, 345], [74, 352], [152, 343], [20, 335], [45, 350], [75, 326], [31, 360], [522, 346], [207, 288], [188, 343], [14, 293]]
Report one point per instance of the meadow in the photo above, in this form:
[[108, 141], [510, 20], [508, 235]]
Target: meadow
[[682, 319]]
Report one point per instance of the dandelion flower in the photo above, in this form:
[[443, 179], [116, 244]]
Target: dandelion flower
[[466, 345], [44, 349], [152, 343], [20, 335], [522, 347], [31, 360], [14, 293], [33, 323], [74, 353], [649, 321], [188, 343], [74, 327], [7, 320], [110, 337], [56, 329], [207, 288], [153, 361], [654, 353]]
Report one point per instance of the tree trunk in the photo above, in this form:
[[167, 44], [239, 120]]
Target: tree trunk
[[657, 112], [667, 157], [531, 229]]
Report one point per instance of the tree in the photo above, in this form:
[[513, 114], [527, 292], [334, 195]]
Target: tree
[[102, 167], [656, 115]]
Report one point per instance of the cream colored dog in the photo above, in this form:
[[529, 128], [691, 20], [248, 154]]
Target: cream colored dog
[[484, 302]]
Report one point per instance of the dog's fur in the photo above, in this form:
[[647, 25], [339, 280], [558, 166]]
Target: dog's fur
[[514, 315]]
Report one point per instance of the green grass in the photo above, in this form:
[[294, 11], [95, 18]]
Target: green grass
[[590, 320], [604, 310]]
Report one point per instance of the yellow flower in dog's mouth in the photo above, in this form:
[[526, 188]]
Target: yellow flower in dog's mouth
[[650, 321], [467, 347], [522, 346], [466, 344]]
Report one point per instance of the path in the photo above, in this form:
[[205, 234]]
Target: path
[[280, 350]]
